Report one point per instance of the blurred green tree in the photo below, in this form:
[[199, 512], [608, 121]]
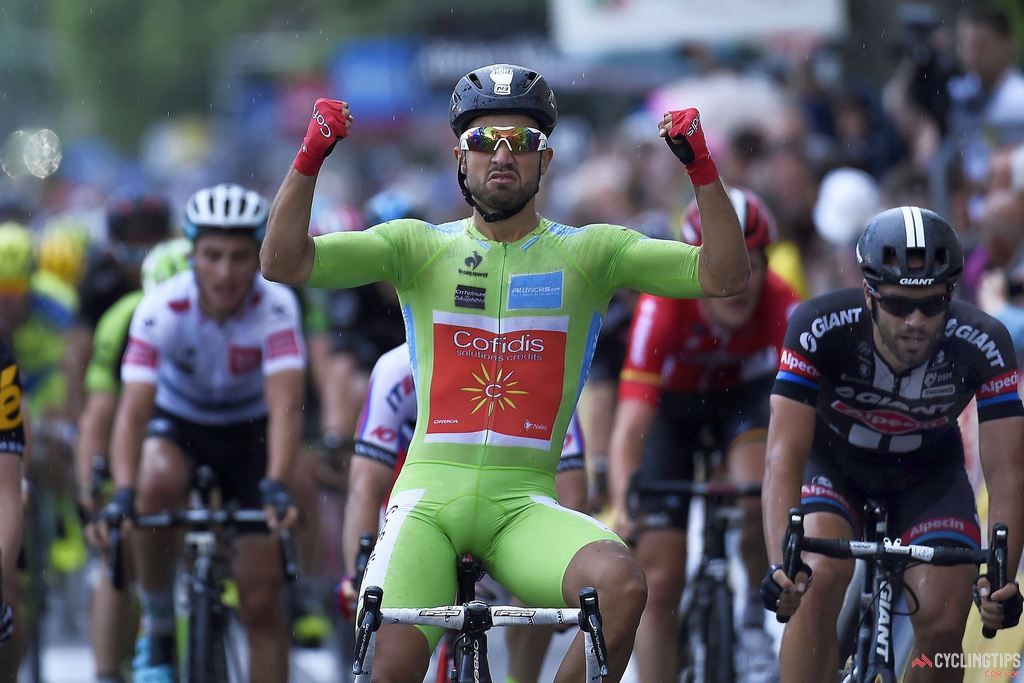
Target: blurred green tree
[[122, 64]]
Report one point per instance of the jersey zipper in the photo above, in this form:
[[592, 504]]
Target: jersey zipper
[[493, 369]]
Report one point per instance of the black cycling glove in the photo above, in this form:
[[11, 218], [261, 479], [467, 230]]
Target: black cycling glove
[[275, 494], [120, 507], [771, 591]]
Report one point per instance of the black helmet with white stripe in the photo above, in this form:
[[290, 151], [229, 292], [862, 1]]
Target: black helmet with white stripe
[[226, 209], [892, 236]]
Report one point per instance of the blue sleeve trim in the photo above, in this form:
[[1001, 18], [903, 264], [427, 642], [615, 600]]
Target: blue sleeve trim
[[1012, 396], [797, 379]]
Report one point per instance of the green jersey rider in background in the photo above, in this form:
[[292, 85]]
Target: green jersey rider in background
[[502, 312]]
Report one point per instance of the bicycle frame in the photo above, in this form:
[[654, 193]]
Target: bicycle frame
[[709, 589], [206, 528]]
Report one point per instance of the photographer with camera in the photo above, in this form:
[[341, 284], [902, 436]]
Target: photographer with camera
[[916, 96]]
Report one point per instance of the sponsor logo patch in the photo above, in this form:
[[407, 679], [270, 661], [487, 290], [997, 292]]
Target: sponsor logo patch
[[1003, 384], [243, 359], [535, 290], [825, 323], [10, 400], [470, 297], [140, 353], [495, 387], [888, 421], [977, 338], [798, 365], [282, 343]]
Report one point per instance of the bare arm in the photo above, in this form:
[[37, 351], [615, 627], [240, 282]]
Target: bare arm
[[790, 435], [76, 359], [133, 412], [94, 430], [633, 421], [368, 484], [724, 267], [287, 252], [344, 390], [318, 348], [282, 392], [1001, 451]]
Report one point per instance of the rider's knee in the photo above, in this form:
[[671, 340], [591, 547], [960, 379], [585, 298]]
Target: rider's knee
[[943, 630], [156, 494], [829, 581], [258, 604], [624, 583], [664, 586]]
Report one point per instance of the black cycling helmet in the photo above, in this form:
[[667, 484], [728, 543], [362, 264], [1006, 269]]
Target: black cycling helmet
[[505, 89], [139, 217], [883, 248]]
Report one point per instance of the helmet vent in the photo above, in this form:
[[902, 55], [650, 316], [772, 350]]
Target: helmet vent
[[476, 80]]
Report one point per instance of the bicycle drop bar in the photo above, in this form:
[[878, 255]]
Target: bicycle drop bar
[[590, 623], [369, 621], [994, 557], [478, 617], [201, 520], [700, 489], [997, 565], [791, 549]]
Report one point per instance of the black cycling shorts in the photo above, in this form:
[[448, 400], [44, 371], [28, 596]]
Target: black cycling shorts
[[237, 452], [928, 496], [690, 422]]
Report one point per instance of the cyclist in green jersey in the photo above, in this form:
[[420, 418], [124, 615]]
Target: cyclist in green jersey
[[502, 312]]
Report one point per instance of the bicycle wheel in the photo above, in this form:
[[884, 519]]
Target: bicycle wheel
[[691, 640], [206, 659], [719, 665]]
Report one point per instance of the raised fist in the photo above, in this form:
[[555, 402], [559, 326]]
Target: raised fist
[[328, 124], [685, 137]]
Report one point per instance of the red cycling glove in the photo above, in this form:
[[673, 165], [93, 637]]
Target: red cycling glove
[[686, 140], [327, 125], [346, 598]]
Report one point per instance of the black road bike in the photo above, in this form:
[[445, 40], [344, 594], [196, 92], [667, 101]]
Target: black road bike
[[209, 532], [707, 636], [886, 560]]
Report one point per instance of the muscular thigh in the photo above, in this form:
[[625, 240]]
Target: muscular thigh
[[530, 554], [413, 560]]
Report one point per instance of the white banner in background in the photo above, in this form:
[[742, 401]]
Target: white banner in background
[[601, 26]]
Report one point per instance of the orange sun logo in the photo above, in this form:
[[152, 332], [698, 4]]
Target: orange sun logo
[[491, 392]]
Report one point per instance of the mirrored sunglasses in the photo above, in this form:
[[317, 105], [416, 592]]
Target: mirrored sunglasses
[[518, 139]]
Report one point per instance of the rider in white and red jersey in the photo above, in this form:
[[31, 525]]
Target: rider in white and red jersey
[[212, 375]]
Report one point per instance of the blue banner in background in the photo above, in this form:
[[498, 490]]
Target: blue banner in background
[[379, 78]]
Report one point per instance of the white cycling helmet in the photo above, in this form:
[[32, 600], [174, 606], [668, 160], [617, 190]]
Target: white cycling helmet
[[226, 208]]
